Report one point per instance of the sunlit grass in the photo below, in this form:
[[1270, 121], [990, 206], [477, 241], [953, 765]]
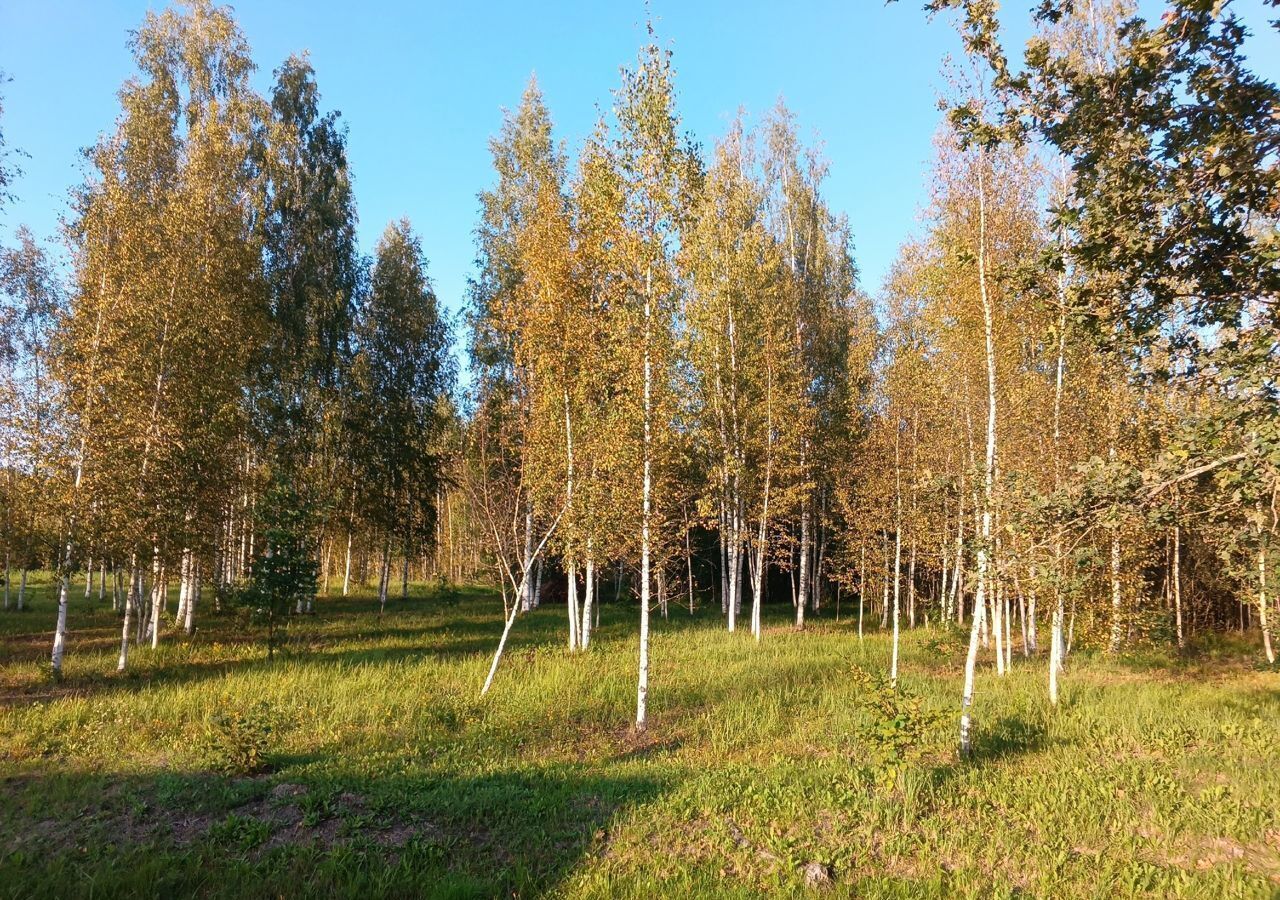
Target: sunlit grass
[[390, 775]]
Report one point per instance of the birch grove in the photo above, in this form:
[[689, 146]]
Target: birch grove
[[1056, 416]]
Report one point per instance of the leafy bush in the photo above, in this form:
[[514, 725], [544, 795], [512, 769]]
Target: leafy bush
[[946, 642], [898, 728], [237, 741]]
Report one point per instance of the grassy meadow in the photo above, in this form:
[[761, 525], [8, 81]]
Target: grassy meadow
[[363, 762]]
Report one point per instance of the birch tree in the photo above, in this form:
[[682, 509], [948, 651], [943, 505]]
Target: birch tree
[[654, 169], [169, 277]]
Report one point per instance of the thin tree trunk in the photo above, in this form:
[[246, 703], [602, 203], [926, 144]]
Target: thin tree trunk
[[1263, 621], [862, 588], [957, 571], [575, 621], [384, 575], [132, 597], [588, 600], [572, 602], [184, 565], [526, 600], [997, 611], [984, 541], [884, 599], [688, 556], [1055, 651], [537, 581], [642, 680], [1056, 648], [911, 585], [189, 623], [803, 598], [157, 595], [1022, 618], [346, 568], [404, 576], [897, 552], [724, 564], [1177, 583]]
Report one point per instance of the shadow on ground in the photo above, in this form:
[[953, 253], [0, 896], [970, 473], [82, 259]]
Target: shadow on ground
[[197, 834]]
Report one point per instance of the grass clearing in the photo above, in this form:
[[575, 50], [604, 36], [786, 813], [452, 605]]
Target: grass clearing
[[762, 772]]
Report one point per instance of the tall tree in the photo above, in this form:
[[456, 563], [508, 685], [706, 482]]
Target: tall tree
[[654, 169], [401, 370], [311, 265], [168, 281], [525, 160], [30, 300]]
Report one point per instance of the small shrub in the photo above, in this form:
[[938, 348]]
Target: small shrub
[[897, 729], [946, 642], [237, 741]]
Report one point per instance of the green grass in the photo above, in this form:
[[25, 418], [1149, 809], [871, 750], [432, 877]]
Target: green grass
[[389, 775]]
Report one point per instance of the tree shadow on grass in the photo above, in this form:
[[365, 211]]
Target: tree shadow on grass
[[345, 834], [1007, 737]]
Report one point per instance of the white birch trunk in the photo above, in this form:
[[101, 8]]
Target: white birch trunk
[[184, 585], [862, 589], [526, 597], [575, 641], [537, 582], [588, 600], [897, 554], [189, 614], [346, 568], [515, 604], [1056, 648], [132, 598], [157, 596], [1176, 574], [572, 601], [642, 680], [989, 469], [897, 590], [1055, 651], [803, 598], [1263, 622]]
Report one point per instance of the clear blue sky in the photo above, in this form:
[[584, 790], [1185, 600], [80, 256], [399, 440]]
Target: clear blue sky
[[421, 87]]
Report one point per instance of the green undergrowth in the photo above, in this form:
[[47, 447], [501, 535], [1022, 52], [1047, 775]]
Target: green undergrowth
[[363, 762]]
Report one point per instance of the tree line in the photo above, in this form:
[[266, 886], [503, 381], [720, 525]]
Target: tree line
[[1058, 414], [219, 338]]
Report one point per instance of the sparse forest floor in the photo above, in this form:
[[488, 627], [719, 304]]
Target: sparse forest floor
[[764, 767]]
